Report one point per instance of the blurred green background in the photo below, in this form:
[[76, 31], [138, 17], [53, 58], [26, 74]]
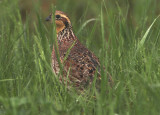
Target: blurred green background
[[136, 14], [119, 32]]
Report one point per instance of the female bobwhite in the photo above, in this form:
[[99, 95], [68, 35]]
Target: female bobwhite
[[80, 63]]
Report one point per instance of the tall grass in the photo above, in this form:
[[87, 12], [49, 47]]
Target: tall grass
[[125, 40]]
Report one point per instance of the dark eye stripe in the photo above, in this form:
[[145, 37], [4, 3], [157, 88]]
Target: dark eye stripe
[[65, 21], [58, 16]]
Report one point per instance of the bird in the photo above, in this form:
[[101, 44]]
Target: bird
[[79, 64]]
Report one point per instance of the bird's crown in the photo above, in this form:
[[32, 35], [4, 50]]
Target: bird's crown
[[62, 21]]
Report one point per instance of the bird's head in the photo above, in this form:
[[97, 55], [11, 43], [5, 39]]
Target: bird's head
[[61, 20]]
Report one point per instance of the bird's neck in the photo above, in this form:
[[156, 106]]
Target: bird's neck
[[66, 35]]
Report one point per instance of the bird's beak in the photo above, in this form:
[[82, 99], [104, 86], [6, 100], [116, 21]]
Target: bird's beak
[[49, 17]]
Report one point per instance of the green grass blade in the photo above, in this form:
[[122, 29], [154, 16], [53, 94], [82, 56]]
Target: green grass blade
[[141, 43], [85, 24]]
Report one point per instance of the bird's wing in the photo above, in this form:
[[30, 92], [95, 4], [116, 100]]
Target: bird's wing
[[81, 65]]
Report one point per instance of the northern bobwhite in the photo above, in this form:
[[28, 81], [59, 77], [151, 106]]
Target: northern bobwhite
[[81, 64]]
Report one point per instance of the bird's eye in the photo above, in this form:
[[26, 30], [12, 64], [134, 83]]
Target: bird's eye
[[58, 16]]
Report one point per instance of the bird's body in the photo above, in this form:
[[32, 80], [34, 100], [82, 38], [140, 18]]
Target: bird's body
[[79, 64]]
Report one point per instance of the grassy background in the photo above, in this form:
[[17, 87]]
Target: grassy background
[[115, 30]]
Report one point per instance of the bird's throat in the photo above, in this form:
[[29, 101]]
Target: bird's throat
[[66, 35]]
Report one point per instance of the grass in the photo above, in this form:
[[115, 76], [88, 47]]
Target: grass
[[123, 34]]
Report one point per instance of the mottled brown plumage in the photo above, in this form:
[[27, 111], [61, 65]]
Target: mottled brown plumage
[[81, 64]]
